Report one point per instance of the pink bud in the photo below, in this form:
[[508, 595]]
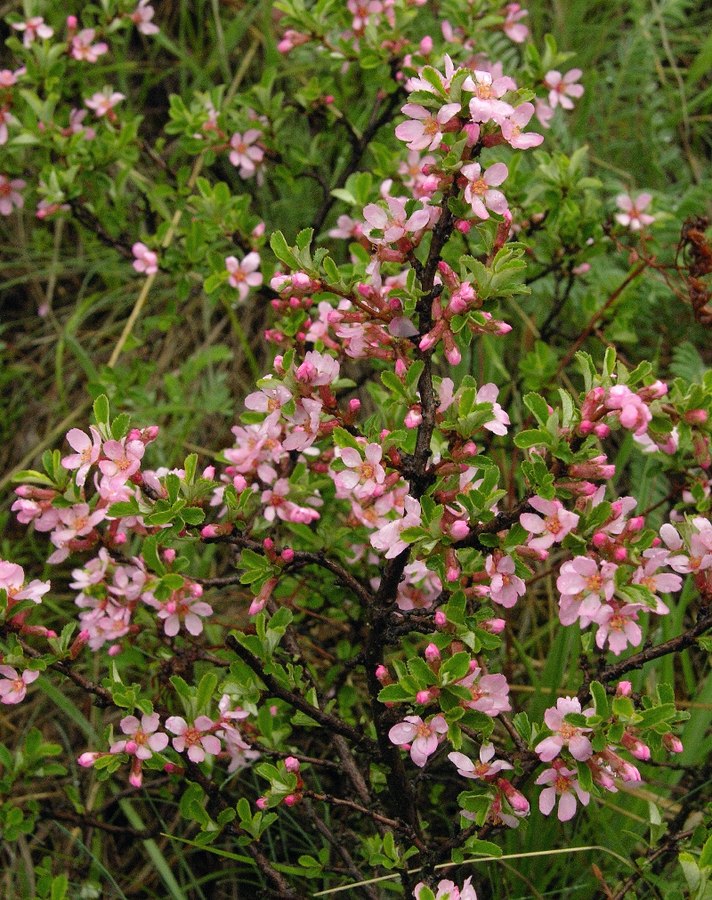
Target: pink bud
[[261, 803], [87, 760], [624, 689], [169, 555], [463, 226], [423, 697], [114, 650], [171, 768], [288, 554], [268, 544], [620, 554], [432, 653], [426, 45], [636, 523], [459, 529], [601, 430], [695, 416], [672, 743], [494, 626], [292, 764], [440, 619], [354, 405], [599, 539], [209, 473], [400, 368], [209, 531], [291, 799], [72, 23], [382, 674]]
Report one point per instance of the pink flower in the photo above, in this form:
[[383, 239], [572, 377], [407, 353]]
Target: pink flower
[[78, 521], [33, 28], [317, 369], [6, 118], [183, 607], [480, 193], [564, 785], [483, 769], [632, 410], [10, 196], [245, 155], [562, 88], [565, 735], [514, 31], [448, 890], [141, 17], [619, 625], [13, 687], [83, 49], [387, 538], [12, 581], [486, 106], [146, 260], [490, 693], [393, 223], [87, 453], [104, 101], [196, 737], [243, 273], [513, 125], [423, 737], [418, 588], [123, 458], [143, 738], [558, 522], [424, 130], [583, 587], [505, 587], [488, 394], [632, 215], [361, 475]]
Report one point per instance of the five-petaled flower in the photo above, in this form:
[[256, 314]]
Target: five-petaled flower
[[243, 274], [423, 737], [13, 687]]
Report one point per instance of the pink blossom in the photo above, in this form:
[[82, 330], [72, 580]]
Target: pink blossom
[[448, 890], [243, 274], [361, 475], [424, 130], [619, 626], [183, 607], [318, 369], [141, 17], [10, 196], [78, 521], [6, 118], [268, 399], [505, 587], [632, 411], [12, 581], [393, 223], [583, 587], [123, 458], [565, 735], [33, 28], [88, 449], [513, 125], [563, 784], [83, 49], [543, 112], [146, 260], [486, 106], [479, 191], [387, 538], [104, 101], [418, 588], [632, 215], [142, 738], [196, 737], [563, 87], [489, 693], [488, 394], [277, 506], [13, 687], [558, 522], [347, 229], [423, 737], [515, 31], [245, 154], [485, 768]]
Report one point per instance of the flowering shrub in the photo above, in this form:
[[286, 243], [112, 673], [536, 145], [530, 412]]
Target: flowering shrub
[[324, 618]]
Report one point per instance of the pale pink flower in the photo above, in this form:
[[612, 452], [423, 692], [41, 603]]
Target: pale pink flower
[[419, 587], [553, 528], [513, 125], [394, 223], [423, 737], [631, 409], [245, 154], [632, 215], [6, 118], [10, 196], [563, 87], [78, 521], [13, 687], [583, 587], [84, 49], [486, 106], [565, 735], [268, 399], [244, 274], [88, 449], [146, 260], [183, 608], [619, 626], [505, 587], [123, 458], [480, 190], [490, 693], [12, 581], [104, 101], [33, 28], [649, 577], [424, 130], [563, 783], [485, 768], [141, 17], [361, 475], [387, 538], [347, 229], [196, 738], [512, 28], [142, 738], [488, 394], [317, 369], [448, 890], [543, 112]]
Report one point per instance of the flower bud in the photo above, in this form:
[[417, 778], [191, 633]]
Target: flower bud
[[672, 743], [432, 653], [624, 689], [292, 764]]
